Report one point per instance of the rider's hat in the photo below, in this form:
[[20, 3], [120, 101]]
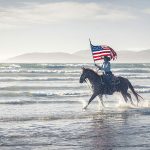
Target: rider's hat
[[107, 58]]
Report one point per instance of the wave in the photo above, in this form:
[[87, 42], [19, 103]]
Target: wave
[[143, 90], [132, 70], [54, 71], [131, 65], [38, 78], [45, 87], [45, 117], [9, 66], [41, 65], [44, 94], [141, 86], [28, 102], [137, 77], [134, 75]]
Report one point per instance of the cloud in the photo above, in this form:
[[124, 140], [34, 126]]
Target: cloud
[[32, 13]]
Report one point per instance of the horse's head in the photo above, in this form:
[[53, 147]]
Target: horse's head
[[83, 75], [88, 73]]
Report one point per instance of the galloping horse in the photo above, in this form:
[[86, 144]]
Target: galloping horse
[[99, 89]]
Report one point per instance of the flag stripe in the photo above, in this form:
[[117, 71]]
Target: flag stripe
[[101, 55], [97, 59], [99, 52]]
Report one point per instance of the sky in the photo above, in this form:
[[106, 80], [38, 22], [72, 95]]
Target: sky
[[28, 26]]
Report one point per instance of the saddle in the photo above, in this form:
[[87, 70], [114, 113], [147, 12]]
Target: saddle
[[110, 83]]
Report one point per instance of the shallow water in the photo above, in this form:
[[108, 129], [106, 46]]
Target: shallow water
[[41, 108]]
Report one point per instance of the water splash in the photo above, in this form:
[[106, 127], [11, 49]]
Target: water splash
[[144, 103], [83, 102]]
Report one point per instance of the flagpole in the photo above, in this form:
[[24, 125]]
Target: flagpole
[[91, 50]]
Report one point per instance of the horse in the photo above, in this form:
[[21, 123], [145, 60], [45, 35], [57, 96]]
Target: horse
[[99, 89]]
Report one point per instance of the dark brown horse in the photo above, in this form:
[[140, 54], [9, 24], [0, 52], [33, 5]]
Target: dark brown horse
[[99, 88]]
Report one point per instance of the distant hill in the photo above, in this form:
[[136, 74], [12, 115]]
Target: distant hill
[[83, 56], [57, 57], [136, 57], [123, 56]]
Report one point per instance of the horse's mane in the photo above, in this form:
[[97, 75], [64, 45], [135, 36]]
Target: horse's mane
[[91, 70]]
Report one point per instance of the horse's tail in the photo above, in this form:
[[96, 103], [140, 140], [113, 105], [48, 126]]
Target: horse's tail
[[135, 93]]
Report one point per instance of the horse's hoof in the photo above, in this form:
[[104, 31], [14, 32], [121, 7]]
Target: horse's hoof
[[84, 108]]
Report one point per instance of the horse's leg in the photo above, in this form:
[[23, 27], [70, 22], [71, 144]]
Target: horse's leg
[[129, 95], [124, 96], [92, 97], [101, 99]]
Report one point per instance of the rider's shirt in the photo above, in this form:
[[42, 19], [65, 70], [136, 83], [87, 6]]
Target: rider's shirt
[[106, 66]]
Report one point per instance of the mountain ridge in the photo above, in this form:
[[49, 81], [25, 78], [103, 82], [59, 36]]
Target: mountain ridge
[[82, 56]]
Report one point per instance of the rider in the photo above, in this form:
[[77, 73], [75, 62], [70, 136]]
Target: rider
[[106, 68]]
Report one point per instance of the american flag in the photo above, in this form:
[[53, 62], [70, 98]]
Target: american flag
[[102, 50]]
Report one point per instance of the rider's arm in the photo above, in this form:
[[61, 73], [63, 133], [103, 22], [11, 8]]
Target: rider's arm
[[98, 66]]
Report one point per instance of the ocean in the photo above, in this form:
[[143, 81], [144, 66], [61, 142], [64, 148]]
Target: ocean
[[41, 107]]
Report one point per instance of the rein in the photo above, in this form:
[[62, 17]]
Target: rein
[[89, 86]]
